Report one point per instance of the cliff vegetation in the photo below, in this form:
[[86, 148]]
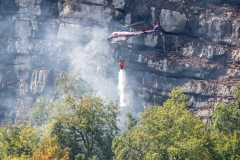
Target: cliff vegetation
[[83, 126]]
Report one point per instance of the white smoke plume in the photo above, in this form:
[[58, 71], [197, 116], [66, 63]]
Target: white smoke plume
[[76, 41]]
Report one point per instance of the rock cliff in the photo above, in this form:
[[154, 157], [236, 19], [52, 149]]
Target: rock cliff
[[196, 48]]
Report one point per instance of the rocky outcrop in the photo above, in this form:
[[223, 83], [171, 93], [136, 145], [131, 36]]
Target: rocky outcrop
[[196, 48], [172, 21], [118, 4], [39, 80]]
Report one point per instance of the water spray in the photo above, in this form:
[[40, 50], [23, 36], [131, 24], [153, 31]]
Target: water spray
[[123, 102], [121, 86]]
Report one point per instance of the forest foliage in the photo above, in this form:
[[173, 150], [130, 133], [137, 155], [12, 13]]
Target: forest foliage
[[79, 125]]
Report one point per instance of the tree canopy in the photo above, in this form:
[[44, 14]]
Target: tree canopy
[[17, 141], [88, 126], [77, 124], [165, 132], [225, 128]]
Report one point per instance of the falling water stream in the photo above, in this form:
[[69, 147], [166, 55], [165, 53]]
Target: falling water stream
[[121, 86], [122, 97]]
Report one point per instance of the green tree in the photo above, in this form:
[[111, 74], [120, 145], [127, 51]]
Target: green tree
[[225, 129], [129, 144], [46, 108], [87, 126], [236, 93], [226, 118], [131, 121], [17, 141], [227, 146], [81, 121], [70, 84], [44, 111], [39, 114], [166, 132]]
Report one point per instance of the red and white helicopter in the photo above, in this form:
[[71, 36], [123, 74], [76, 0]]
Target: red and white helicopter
[[126, 33]]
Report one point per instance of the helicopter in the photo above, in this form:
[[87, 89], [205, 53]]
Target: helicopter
[[126, 33]]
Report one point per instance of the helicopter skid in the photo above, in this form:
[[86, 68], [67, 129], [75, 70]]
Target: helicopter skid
[[119, 39]]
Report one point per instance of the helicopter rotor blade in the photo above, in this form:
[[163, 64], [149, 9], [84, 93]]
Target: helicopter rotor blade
[[129, 25]]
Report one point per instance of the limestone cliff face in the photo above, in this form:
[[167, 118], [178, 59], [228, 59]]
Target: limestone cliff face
[[196, 48]]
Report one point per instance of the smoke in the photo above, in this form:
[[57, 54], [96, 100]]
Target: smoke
[[95, 61], [75, 42]]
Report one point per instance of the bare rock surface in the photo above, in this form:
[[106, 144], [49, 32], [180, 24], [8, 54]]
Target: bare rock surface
[[196, 48], [172, 21]]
